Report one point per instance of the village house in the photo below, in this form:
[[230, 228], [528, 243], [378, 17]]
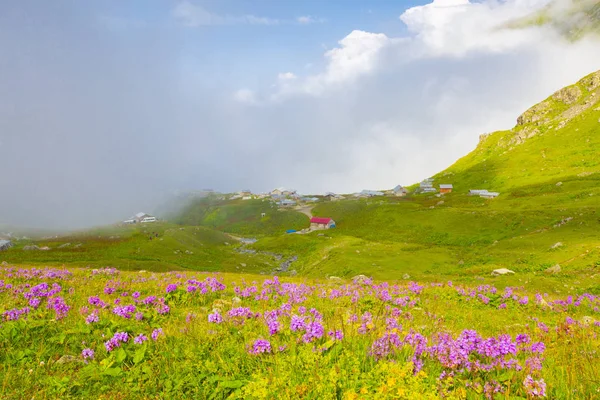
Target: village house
[[483, 193], [489, 195], [140, 217], [321, 223], [332, 196], [283, 192], [426, 186], [445, 188], [287, 203], [399, 191]]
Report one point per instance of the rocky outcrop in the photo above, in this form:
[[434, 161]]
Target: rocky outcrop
[[568, 95], [553, 270], [592, 82], [535, 113]]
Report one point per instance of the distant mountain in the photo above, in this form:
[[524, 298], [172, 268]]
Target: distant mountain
[[573, 19]]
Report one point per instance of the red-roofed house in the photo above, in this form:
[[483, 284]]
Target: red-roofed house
[[321, 223]]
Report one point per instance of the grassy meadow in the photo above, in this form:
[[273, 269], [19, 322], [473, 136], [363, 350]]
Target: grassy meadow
[[110, 334]]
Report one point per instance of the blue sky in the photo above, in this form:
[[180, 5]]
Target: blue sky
[[245, 53], [108, 107]]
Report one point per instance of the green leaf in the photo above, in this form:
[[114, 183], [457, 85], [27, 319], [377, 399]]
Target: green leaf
[[139, 355], [507, 376], [232, 384], [113, 371], [120, 355], [328, 344]]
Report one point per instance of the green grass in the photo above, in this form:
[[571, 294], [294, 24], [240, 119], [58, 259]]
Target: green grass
[[136, 247]]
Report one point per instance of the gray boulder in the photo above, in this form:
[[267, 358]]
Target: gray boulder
[[553, 270], [502, 271]]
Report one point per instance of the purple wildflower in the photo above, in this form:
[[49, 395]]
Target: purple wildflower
[[93, 317], [87, 354], [538, 347], [156, 333], [260, 346], [215, 317], [139, 339], [171, 288], [535, 388]]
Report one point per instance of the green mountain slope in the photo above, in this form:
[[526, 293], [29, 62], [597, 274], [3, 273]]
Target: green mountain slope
[[556, 140], [573, 20]]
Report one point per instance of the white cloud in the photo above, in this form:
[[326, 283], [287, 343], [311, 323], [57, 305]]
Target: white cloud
[[286, 76], [245, 96], [308, 19], [194, 15], [401, 109], [357, 55], [305, 20]]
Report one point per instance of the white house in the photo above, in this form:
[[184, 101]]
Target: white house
[[489, 195], [140, 217], [483, 193]]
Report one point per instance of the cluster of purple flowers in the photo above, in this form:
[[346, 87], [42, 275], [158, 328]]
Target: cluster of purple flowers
[[116, 340], [87, 354], [260, 346], [124, 311], [171, 287], [97, 302], [241, 313], [534, 388], [139, 339], [61, 309], [93, 317], [156, 333], [15, 313], [215, 317], [161, 306]]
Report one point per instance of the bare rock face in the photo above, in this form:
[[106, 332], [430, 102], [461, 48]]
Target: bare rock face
[[568, 95], [592, 82], [535, 113]]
